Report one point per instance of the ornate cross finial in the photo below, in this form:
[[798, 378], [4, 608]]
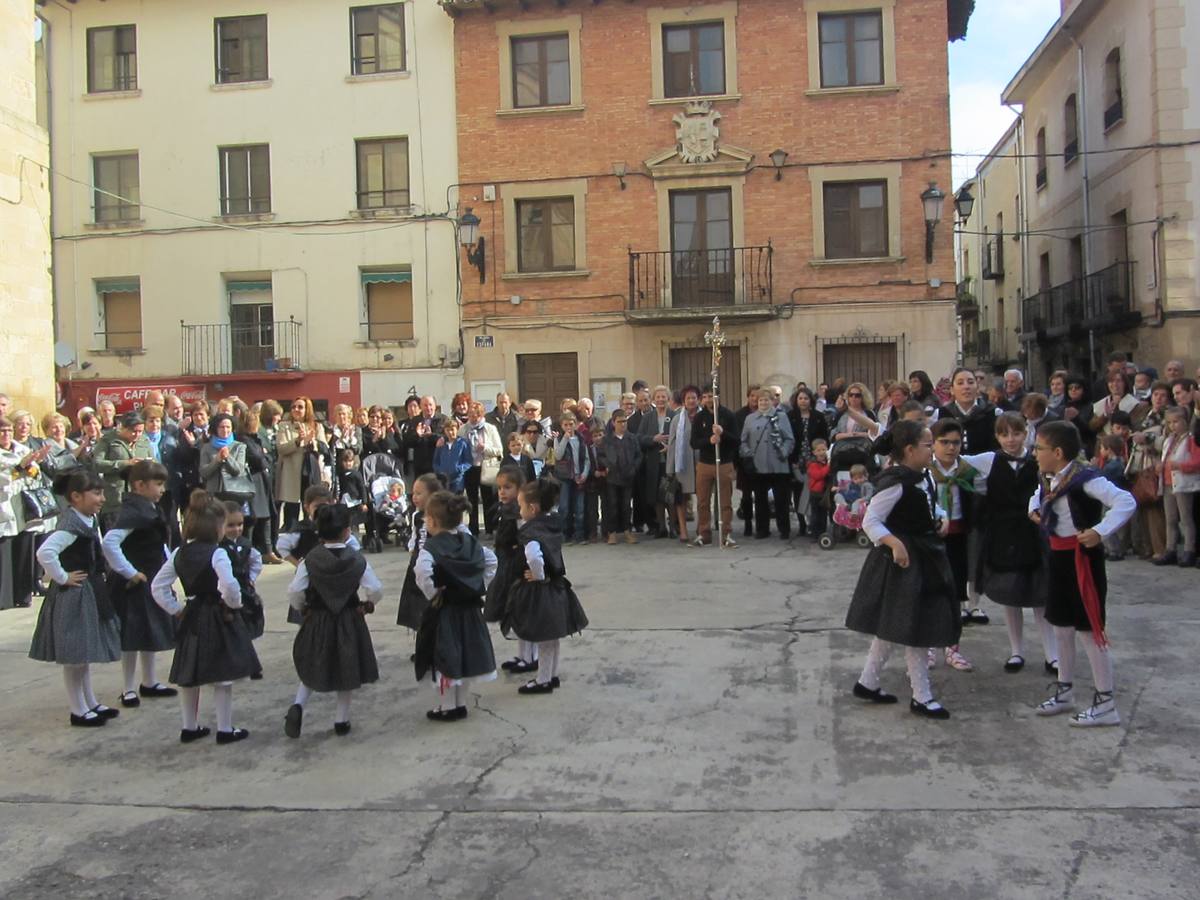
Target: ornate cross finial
[[715, 339]]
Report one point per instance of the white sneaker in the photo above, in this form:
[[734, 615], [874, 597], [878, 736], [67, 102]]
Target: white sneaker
[[1061, 701], [1103, 711]]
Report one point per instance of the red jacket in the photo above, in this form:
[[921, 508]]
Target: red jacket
[[818, 474]]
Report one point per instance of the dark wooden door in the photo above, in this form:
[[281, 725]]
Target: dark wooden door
[[693, 365], [868, 362], [252, 335], [701, 248], [549, 377]]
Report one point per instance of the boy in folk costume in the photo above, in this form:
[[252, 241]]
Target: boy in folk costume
[[1076, 508]]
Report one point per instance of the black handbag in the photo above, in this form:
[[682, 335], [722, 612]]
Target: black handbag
[[38, 504]]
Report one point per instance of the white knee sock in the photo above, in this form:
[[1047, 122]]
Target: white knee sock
[[89, 696], [189, 705], [527, 650], [302, 694], [1065, 637], [1049, 640], [877, 657], [223, 700], [915, 658], [73, 679], [147, 659], [460, 696], [1102, 664], [1014, 618], [343, 706], [547, 661], [129, 670]]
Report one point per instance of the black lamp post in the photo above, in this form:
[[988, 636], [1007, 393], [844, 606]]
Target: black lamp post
[[473, 242], [932, 199], [963, 203]]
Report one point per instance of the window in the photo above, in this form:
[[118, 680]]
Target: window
[[1040, 179], [120, 314], [1114, 108], [388, 305], [546, 234], [856, 219], [541, 71], [694, 59], [241, 49], [112, 59], [1070, 131], [382, 173], [245, 180], [851, 49], [117, 194], [702, 255], [251, 324], [377, 39]]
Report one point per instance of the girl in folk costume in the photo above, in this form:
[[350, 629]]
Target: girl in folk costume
[[247, 565], [77, 624], [413, 603], [1011, 568], [905, 594], [1077, 508], [453, 571], [542, 607], [135, 549], [214, 645], [510, 556], [333, 651], [294, 545]]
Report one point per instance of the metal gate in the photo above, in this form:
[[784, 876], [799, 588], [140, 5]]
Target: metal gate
[[869, 359], [693, 365]]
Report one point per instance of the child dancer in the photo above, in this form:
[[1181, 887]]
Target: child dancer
[[412, 602], [955, 482], [247, 566], [905, 593], [1077, 508], [77, 624], [135, 549], [510, 559], [542, 607], [333, 650], [1011, 567], [453, 572], [214, 645], [294, 545]]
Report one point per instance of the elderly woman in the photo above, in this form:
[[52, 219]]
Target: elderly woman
[[460, 407], [165, 446], [64, 453], [262, 473], [19, 471], [303, 453], [376, 437], [23, 430], [681, 458], [767, 441], [345, 434], [223, 461], [654, 434]]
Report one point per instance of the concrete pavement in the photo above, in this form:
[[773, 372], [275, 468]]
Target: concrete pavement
[[704, 744]]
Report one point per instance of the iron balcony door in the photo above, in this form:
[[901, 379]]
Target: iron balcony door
[[701, 248]]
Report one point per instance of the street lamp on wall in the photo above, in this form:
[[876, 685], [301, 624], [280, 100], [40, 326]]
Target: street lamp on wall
[[620, 170], [931, 199], [778, 158], [473, 242], [963, 203]]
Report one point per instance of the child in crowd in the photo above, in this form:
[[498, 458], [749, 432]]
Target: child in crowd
[[395, 503], [853, 497], [412, 602], [333, 651], [1112, 456], [135, 549], [452, 458], [520, 456], [1181, 481], [510, 559], [214, 645], [818, 479], [352, 489], [906, 593], [619, 456], [77, 625], [453, 571], [542, 606], [247, 565], [1076, 508]]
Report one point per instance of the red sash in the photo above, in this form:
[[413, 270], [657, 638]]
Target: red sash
[[1087, 584]]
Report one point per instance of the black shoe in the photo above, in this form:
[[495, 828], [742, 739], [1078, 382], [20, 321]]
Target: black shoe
[[187, 737], [875, 696], [978, 617], [1167, 559], [157, 690], [534, 687], [341, 729], [555, 683], [232, 737], [105, 712], [964, 616], [460, 712], [1051, 667], [130, 700], [447, 715], [293, 721], [86, 721], [256, 676], [521, 667], [923, 709], [1015, 663], [509, 663]]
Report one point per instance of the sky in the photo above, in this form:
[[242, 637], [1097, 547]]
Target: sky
[[1000, 37]]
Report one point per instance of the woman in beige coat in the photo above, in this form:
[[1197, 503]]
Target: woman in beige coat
[[300, 436]]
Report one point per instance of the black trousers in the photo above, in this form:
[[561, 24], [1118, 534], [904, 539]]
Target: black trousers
[[291, 516], [260, 535], [617, 498], [477, 490], [780, 483]]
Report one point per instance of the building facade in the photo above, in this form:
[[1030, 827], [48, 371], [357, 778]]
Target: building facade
[[252, 201], [637, 168], [1111, 186], [27, 335]]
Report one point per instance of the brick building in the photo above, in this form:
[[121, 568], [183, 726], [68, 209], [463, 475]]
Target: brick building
[[637, 168]]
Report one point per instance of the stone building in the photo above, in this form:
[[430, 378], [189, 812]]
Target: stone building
[[637, 168]]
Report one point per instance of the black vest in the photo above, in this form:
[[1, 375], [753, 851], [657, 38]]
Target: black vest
[[545, 529], [193, 565], [307, 540]]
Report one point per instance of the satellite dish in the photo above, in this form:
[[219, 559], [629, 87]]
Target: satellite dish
[[64, 354]]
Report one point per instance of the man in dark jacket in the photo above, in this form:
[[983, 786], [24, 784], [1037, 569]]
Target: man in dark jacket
[[707, 435], [504, 417], [619, 456], [746, 507], [422, 439], [641, 516]]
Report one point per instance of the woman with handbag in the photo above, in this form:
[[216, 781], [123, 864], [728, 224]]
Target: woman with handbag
[[681, 458], [301, 447], [767, 443], [653, 435], [223, 463], [262, 473], [1150, 524], [484, 440], [22, 495]]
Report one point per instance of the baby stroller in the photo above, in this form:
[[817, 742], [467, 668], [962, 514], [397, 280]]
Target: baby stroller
[[379, 471], [845, 523]]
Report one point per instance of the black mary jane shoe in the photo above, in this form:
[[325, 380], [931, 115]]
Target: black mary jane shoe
[[509, 663], [534, 687], [1051, 667], [978, 617], [1015, 663], [130, 700], [256, 676], [157, 689], [105, 712], [293, 721], [965, 617], [924, 709], [86, 721], [875, 696], [555, 683], [522, 667], [446, 715], [232, 737], [191, 735], [341, 729]]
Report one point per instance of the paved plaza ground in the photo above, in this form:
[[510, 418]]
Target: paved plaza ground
[[704, 744]]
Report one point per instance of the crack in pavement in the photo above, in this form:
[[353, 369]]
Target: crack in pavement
[[418, 857]]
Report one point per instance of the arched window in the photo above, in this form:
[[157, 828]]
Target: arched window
[[1070, 130], [1040, 180], [1114, 108]]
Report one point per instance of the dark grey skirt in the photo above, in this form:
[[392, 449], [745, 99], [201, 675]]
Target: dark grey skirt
[[70, 630], [413, 603], [543, 610], [213, 646], [144, 624], [335, 652], [916, 606], [508, 569]]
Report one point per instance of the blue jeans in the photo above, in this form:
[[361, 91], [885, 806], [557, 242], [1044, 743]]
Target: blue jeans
[[570, 510]]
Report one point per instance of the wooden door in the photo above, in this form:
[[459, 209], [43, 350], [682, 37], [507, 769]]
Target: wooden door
[[701, 248], [549, 377], [693, 365], [868, 362]]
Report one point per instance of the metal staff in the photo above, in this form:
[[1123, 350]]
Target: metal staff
[[716, 339]]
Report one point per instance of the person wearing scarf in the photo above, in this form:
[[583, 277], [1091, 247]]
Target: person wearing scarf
[[1076, 509], [221, 455]]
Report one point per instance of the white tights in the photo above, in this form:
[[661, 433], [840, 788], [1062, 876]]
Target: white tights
[[129, 661], [304, 692], [1014, 618], [914, 658], [548, 652], [73, 679], [1099, 658], [527, 650], [459, 692], [189, 704]]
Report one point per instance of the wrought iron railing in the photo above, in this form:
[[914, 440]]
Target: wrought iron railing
[[1095, 301], [678, 279], [993, 258], [223, 349], [983, 345]]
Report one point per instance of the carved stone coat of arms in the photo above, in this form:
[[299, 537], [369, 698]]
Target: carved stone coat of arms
[[696, 132]]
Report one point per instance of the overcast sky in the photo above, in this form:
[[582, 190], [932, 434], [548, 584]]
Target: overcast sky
[[1000, 37]]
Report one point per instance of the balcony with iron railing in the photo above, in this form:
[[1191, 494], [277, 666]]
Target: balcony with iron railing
[[983, 346], [965, 304], [993, 258], [227, 349], [1102, 301], [674, 285]]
